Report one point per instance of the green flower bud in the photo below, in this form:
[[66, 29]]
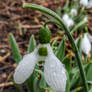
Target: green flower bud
[[42, 51], [44, 35]]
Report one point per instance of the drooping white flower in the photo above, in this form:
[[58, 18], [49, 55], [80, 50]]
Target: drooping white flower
[[84, 2], [85, 44], [67, 20], [89, 4], [43, 52], [73, 12], [54, 71]]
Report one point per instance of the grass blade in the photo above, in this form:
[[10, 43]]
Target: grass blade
[[15, 50]]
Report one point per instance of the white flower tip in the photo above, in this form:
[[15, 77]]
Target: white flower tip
[[67, 20], [85, 44], [73, 12], [17, 80], [86, 19], [84, 2], [65, 16]]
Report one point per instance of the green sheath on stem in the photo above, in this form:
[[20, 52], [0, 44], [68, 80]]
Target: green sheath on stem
[[44, 35], [67, 31]]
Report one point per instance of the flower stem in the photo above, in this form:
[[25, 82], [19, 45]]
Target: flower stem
[[67, 31], [86, 58]]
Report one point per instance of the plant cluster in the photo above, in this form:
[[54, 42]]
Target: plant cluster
[[44, 69]]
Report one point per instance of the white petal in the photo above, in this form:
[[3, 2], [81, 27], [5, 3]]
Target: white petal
[[25, 68], [54, 73], [85, 19], [73, 12], [89, 4], [76, 41], [85, 44], [84, 2], [68, 21], [65, 17], [90, 37]]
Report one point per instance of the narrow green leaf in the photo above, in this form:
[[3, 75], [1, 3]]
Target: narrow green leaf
[[59, 11], [32, 44], [68, 83], [67, 63], [60, 51], [79, 48], [16, 54], [89, 72], [15, 50], [29, 82], [37, 87]]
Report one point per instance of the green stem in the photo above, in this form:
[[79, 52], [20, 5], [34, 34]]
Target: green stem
[[50, 21], [67, 31], [86, 58]]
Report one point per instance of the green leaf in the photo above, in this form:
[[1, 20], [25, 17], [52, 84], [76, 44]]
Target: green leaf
[[15, 50], [60, 51], [67, 63], [16, 54], [32, 44], [37, 87], [67, 83], [29, 82], [59, 11], [89, 72], [78, 43]]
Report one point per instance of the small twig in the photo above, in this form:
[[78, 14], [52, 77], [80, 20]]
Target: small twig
[[6, 84]]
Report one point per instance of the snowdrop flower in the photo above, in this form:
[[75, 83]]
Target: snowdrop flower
[[85, 44], [73, 12], [67, 20], [89, 4], [54, 71], [86, 3], [90, 37], [85, 19]]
